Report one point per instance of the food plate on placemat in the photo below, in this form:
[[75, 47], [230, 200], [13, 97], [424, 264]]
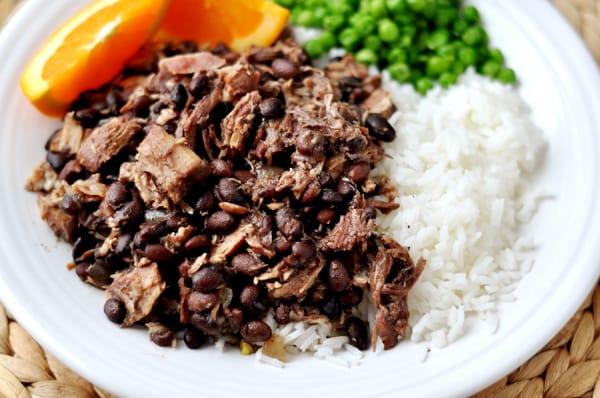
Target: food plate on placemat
[[558, 80]]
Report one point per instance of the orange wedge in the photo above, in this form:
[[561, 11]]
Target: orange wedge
[[89, 50], [237, 23]]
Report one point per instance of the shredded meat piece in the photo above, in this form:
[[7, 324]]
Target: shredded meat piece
[[68, 139], [138, 289], [379, 102], [106, 141], [352, 230], [238, 80], [172, 164], [236, 127], [191, 63]]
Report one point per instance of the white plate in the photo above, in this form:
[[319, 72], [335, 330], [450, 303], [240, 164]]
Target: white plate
[[561, 83]]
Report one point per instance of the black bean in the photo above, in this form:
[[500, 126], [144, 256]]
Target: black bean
[[221, 168], [380, 128], [148, 232], [229, 191], [305, 250], [114, 101], [71, 171], [249, 295], [141, 105], [332, 308], [177, 221], [348, 83], [88, 117], [352, 296], [271, 108], [346, 189], [81, 270], [57, 159], [281, 245], [193, 338], [130, 212], [117, 194], [308, 143], [100, 274], [163, 337], [199, 86], [205, 323], [122, 247], [206, 202], [285, 68], [221, 222], [199, 302], [287, 222], [325, 216], [83, 244], [158, 253], [338, 277], [245, 263], [331, 197], [70, 204], [264, 55], [115, 310], [359, 172], [312, 192], [256, 331], [358, 333], [282, 313], [179, 96], [197, 244], [206, 279]]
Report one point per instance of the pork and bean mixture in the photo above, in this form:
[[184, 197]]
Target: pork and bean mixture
[[203, 188]]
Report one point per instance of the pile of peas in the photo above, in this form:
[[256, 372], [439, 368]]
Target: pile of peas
[[417, 41]]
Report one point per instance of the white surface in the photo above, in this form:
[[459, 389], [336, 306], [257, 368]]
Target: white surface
[[560, 82]]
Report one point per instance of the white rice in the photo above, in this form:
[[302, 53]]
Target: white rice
[[461, 162]]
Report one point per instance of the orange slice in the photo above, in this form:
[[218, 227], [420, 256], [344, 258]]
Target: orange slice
[[237, 23], [89, 50]]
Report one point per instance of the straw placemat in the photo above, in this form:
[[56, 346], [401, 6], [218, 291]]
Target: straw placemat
[[569, 365]]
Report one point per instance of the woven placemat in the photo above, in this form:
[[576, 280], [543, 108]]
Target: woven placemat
[[569, 365]]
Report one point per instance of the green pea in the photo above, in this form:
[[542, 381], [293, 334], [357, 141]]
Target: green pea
[[437, 65], [458, 68], [395, 6], [388, 31], [349, 38], [430, 9], [467, 55], [312, 3], [416, 5], [334, 22], [506, 75], [474, 35], [447, 49], [445, 17], [327, 40], [364, 24], [471, 14], [377, 9], [314, 48], [366, 56], [306, 18], [340, 7], [437, 39], [490, 68], [423, 85], [447, 79], [400, 72], [459, 27], [372, 42], [397, 56], [496, 55], [319, 13]]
